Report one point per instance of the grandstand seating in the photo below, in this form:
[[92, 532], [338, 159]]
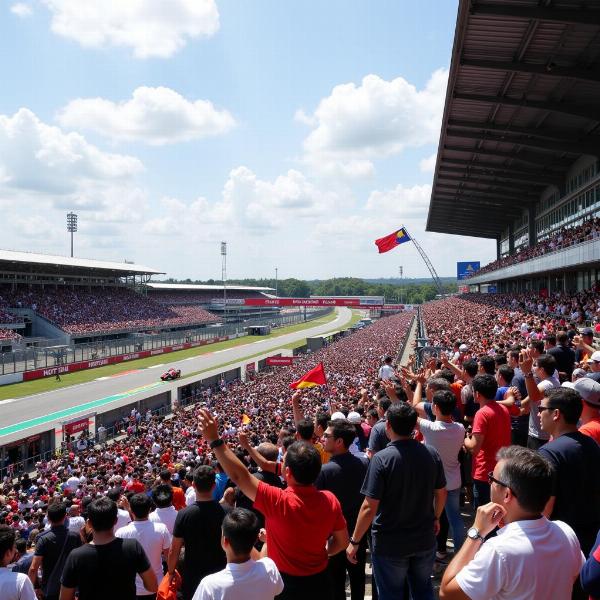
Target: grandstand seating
[[201, 296]]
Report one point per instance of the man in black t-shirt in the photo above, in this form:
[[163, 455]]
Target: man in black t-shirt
[[198, 528], [106, 568], [51, 551]]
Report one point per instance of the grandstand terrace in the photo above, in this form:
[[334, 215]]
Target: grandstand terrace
[[518, 159]]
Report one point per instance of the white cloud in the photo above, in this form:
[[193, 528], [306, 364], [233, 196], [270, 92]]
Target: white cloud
[[401, 202], [375, 119], [152, 28], [21, 10], [427, 165], [247, 203], [153, 115]]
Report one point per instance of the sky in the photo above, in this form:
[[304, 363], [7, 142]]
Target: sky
[[297, 132]]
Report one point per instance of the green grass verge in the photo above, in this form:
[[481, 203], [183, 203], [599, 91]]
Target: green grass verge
[[37, 386]]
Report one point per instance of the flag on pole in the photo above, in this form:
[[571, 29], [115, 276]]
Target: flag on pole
[[389, 242], [313, 378]]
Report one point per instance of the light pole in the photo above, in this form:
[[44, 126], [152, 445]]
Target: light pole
[[401, 270], [71, 227], [224, 276], [276, 296]]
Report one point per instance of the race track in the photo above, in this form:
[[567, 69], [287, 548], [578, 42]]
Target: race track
[[21, 410]]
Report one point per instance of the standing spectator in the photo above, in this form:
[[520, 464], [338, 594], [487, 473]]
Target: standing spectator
[[563, 355], [24, 556], [519, 424], [590, 574], [386, 371], [405, 491], [190, 491], [447, 437], [123, 516], [198, 528], [343, 476], [531, 558], [304, 525], [243, 578], [107, 567], [491, 431], [178, 493], [539, 377], [594, 363], [378, 438], [154, 538], [52, 549], [13, 585], [589, 390], [575, 457], [165, 513]]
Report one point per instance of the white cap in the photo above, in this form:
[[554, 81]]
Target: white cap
[[337, 415], [354, 417], [463, 347], [595, 357]]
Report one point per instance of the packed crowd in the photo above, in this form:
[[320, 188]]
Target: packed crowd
[[380, 458], [201, 296], [80, 310], [564, 238]]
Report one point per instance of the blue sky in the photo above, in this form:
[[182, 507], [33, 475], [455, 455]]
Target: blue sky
[[296, 131]]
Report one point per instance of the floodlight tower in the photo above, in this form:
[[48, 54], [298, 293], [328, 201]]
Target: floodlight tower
[[71, 227], [224, 276]]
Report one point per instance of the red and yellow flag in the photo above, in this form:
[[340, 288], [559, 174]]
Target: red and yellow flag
[[245, 419], [313, 378]]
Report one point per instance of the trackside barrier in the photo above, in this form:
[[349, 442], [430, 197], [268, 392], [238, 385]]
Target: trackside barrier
[[11, 378], [111, 360]]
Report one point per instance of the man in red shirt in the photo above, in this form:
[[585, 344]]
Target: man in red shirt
[[491, 431], [304, 525], [135, 485], [589, 390]]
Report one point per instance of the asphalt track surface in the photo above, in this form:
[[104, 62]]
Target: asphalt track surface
[[23, 413]]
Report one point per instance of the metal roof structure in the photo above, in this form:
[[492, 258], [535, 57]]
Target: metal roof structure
[[522, 105], [9, 258], [192, 287]]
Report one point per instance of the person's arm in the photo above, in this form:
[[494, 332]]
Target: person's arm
[[458, 372], [174, 552], [67, 593], [259, 459], [298, 415], [590, 573], [439, 501], [235, 469], [36, 563], [486, 520], [149, 580], [474, 442], [337, 542], [526, 364], [367, 513]]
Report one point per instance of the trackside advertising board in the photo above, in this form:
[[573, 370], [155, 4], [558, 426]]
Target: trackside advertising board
[[466, 269]]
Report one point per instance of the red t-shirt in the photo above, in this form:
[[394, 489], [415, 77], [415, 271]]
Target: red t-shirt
[[299, 521], [493, 422], [592, 428], [178, 498], [136, 486]]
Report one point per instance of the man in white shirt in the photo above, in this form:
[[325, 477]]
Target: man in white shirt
[[154, 538], [190, 492], [243, 578], [123, 516], [447, 437], [13, 586], [530, 558], [386, 371], [165, 512]]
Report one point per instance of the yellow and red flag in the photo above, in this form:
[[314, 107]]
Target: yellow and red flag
[[245, 419], [313, 378], [389, 242]]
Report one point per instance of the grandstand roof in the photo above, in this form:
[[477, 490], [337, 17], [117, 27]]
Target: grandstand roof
[[193, 287], [9, 257], [521, 107]]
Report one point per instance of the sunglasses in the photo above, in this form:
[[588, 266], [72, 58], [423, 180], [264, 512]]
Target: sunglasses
[[541, 409], [492, 479]]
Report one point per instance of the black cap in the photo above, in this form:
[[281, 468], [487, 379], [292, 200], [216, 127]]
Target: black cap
[[587, 331]]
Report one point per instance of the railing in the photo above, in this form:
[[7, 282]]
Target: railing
[[24, 466], [17, 361]]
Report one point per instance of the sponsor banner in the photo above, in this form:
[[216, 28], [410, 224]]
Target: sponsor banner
[[236, 301], [76, 426], [394, 307], [279, 361], [158, 351], [466, 269], [303, 302]]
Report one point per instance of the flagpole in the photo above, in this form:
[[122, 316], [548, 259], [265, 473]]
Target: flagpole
[[428, 263]]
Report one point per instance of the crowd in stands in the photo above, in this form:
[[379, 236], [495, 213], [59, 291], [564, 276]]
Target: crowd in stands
[[564, 238], [200, 296], [274, 494], [79, 310]]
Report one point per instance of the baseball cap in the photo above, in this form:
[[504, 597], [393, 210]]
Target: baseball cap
[[354, 417], [337, 415], [595, 357], [587, 331], [463, 348], [568, 384], [589, 390], [577, 373]]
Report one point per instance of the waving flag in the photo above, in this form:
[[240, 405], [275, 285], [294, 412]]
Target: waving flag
[[313, 378], [246, 419], [389, 242]]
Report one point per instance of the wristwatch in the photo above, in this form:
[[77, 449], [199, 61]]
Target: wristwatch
[[216, 443], [354, 542], [473, 534]]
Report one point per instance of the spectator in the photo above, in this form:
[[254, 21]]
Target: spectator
[[531, 558], [14, 585], [303, 525], [491, 431], [107, 567], [576, 495], [589, 390], [386, 371], [378, 438], [564, 356], [590, 574], [165, 513], [243, 578], [198, 528], [52, 549], [405, 491], [343, 476], [154, 538], [594, 364]]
